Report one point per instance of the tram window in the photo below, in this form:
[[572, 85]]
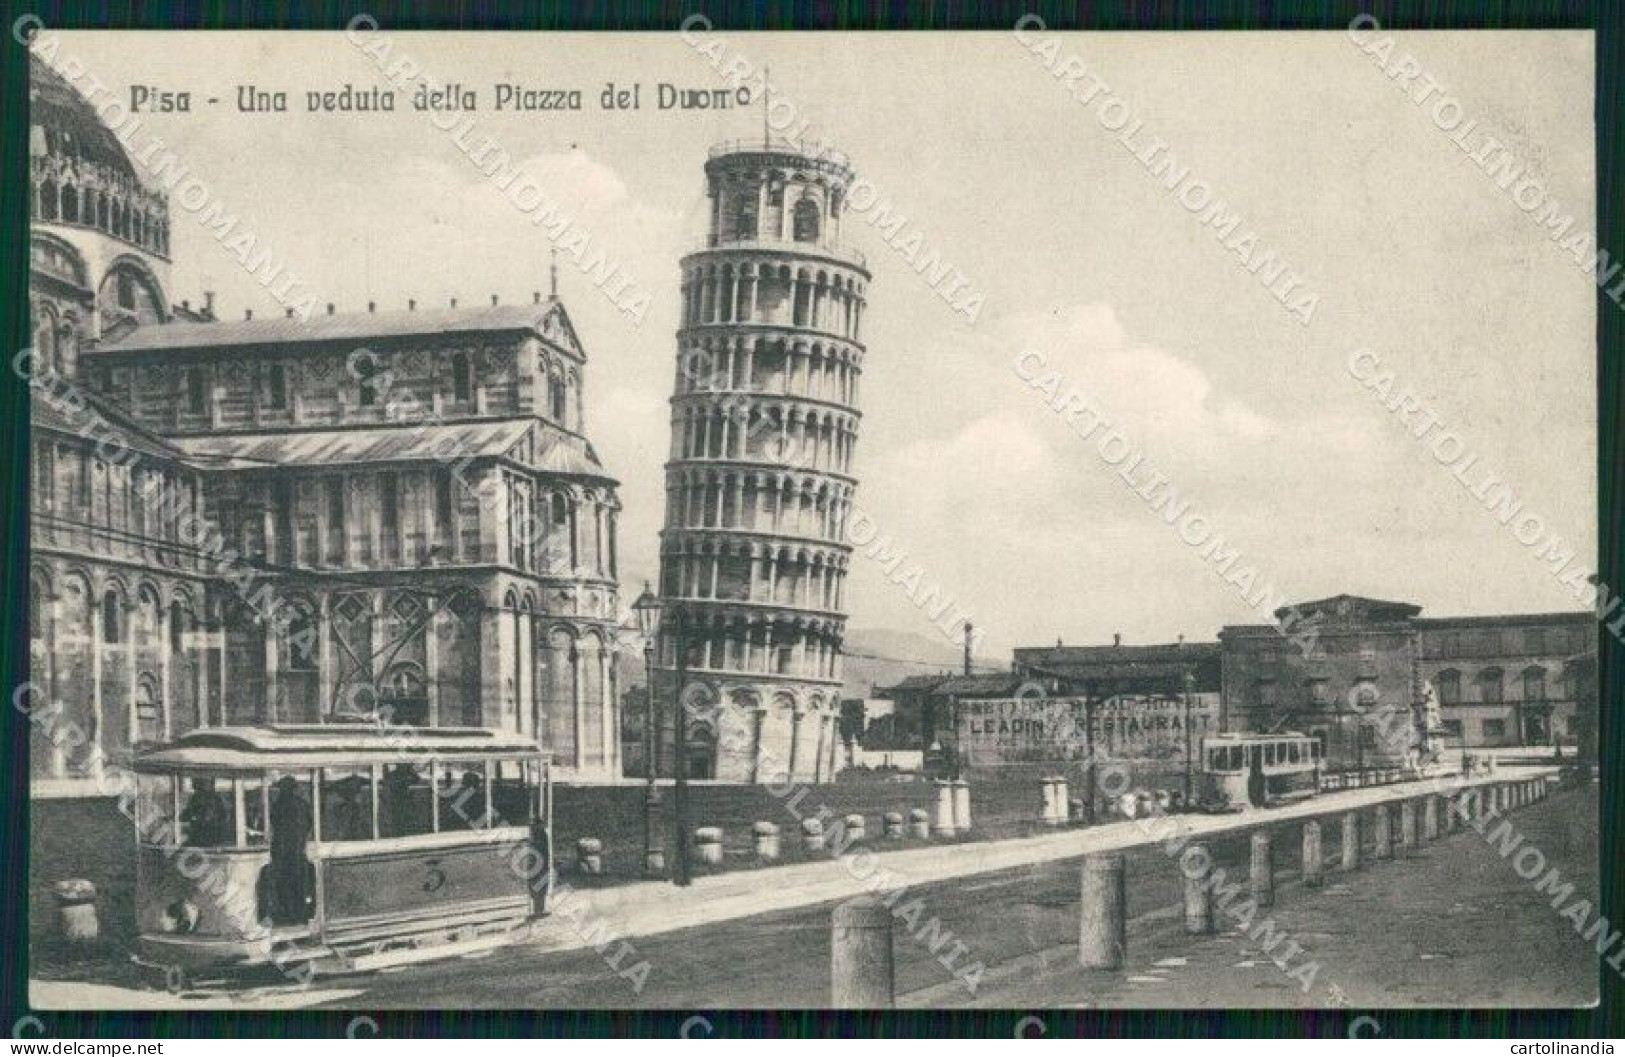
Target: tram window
[[1292, 752], [155, 809], [347, 803], [405, 795], [208, 816], [254, 801], [510, 794], [462, 794]]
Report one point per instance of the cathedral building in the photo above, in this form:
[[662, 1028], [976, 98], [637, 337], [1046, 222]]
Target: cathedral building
[[760, 478], [287, 521]]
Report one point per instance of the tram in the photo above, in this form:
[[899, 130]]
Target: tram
[[1259, 770], [341, 848]]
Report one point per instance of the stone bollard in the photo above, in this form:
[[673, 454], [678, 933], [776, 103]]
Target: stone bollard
[[1313, 868], [1128, 805], [854, 826], [1102, 922], [766, 836], [590, 855], [1382, 837], [1165, 801], [1263, 871], [1407, 827], [1048, 815], [862, 974], [812, 834], [894, 825], [919, 823], [1430, 818], [1351, 840], [943, 824], [76, 910], [961, 805], [708, 845], [1063, 802], [1198, 893]]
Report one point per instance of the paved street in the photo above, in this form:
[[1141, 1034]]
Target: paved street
[[1456, 925]]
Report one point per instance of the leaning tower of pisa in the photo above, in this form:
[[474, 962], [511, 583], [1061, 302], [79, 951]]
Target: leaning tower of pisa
[[759, 484]]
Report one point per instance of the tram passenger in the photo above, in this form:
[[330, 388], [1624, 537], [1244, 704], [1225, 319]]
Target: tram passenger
[[395, 808], [290, 870], [464, 806], [205, 821], [351, 814]]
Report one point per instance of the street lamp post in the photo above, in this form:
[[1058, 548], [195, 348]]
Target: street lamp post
[[647, 608], [1190, 687], [680, 876]]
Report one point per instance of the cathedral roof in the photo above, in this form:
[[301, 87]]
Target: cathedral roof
[[556, 451], [69, 125], [61, 406], [350, 326]]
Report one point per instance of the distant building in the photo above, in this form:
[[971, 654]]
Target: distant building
[[926, 714], [1497, 681], [1511, 680], [1161, 669]]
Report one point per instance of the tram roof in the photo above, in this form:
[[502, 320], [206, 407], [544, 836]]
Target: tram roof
[[328, 745]]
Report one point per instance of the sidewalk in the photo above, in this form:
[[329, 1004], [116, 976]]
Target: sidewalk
[[1452, 925]]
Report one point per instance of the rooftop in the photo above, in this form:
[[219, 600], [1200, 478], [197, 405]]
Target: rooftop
[[346, 326], [557, 451]]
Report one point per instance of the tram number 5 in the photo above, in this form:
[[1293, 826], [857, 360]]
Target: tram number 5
[[434, 878]]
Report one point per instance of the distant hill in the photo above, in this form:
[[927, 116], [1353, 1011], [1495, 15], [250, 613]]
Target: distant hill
[[883, 657]]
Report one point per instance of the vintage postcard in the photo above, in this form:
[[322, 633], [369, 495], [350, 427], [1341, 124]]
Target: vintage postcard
[[711, 520]]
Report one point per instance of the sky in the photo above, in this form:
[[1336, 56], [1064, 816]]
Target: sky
[[1079, 255]]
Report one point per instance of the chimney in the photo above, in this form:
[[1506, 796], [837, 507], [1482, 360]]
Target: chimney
[[208, 301], [454, 302], [1117, 638], [1181, 641], [248, 313], [535, 297], [411, 304], [970, 634], [287, 313], [493, 300], [372, 306], [329, 308], [1057, 642], [186, 305]]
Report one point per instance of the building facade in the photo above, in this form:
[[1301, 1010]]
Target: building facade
[[299, 521], [760, 479], [1379, 680], [1461, 682], [1511, 680]]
